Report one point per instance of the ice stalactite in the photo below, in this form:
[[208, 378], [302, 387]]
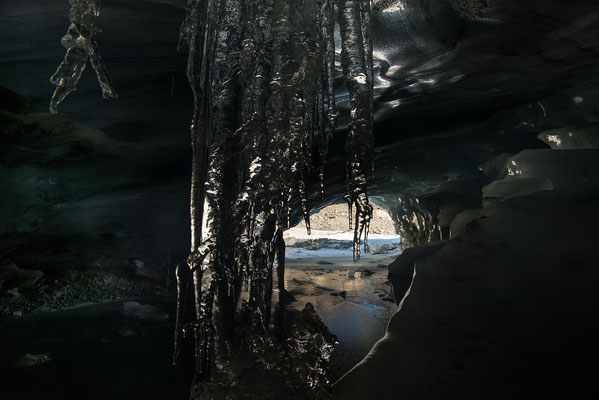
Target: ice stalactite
[[81, 45], [262, 73], [327, 119], [262, 76], [356, 59]]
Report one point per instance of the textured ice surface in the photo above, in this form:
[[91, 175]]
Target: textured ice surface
[[428, 216], [573, 171], [461, 221], [586, 137], [497, 312]]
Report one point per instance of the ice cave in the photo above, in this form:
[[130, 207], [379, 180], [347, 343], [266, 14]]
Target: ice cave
[[299, 199]]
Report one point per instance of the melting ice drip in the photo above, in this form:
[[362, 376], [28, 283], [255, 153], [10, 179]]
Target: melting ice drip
[[81, 46]]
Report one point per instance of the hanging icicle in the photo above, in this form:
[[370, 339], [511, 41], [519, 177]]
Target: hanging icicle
[[328, 120], [356, 59], [81, 45], [262, 74]]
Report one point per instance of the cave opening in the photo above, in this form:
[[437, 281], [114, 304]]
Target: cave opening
[[354, 300]]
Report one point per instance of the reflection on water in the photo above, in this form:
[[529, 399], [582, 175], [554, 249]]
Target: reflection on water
[[353, 300]]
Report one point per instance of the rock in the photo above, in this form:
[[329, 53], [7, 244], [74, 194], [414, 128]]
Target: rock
[[342, 293], [334, 218], [149, 273], [29, 360], [125, 332], [144, 311], [383, 248], [14, 280], [366, 272]]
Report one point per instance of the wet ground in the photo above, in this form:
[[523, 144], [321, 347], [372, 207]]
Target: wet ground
[[91, 352], [123, 349], [353, 300]]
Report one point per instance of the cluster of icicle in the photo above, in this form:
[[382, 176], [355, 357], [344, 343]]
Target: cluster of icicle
[[263, 78], [262, 74], [81, 46]]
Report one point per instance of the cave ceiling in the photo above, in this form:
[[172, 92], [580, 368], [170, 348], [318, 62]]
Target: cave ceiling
[[457, 82]]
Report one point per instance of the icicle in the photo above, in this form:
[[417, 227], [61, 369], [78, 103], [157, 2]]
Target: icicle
[[289, 200], [328, 86], [197, 257], [262, 75], [81, 45], [356, 59], [368, 49], [279, 284], [305, 208], [204, 314], [182, 278], [194, 35]]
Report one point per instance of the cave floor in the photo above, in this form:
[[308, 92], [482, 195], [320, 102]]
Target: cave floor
[[93, 352], [353, 300], [123, 349]]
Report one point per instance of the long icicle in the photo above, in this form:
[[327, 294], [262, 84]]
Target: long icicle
[[328, 89], [262, 73]]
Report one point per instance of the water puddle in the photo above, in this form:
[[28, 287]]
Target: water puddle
[[353, 300]]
